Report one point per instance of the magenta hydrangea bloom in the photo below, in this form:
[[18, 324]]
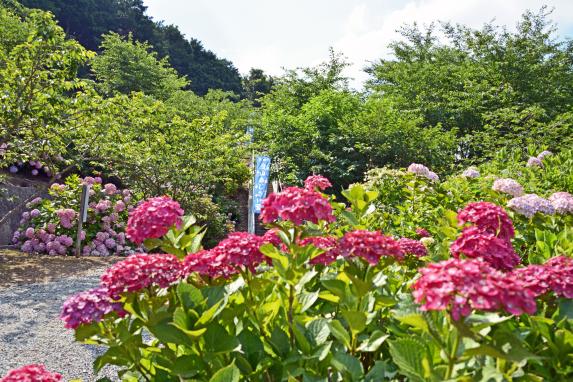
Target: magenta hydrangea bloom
[[412, 247], [508, 186], [208, 263], [327, 243], [87, 307], [31, 373], [153, 219], [562, 202], [241, 249], [272, 237], [475, 243], [555, 275], [140, 271], [422, 232], [297, 205], [530, 204], [370, 245], [489, 218], [461, 286], [314, 182]]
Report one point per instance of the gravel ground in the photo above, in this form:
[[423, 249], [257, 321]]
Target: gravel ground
[[31, 331]]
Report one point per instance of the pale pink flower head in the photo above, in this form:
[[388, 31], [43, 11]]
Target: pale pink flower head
[[153, 218], [297, 205], [419, 169], [88, 181], [315, 182], [88, 307], [508, 186], [534, 162], [30, 233], [31, 373], [475, 243], [433, 176], [471, 173], [327, 243], [412, 247], [488, 217], [370, 245], [119, 206], [110, 188], [562, 202], [530, 204], [141, 271], [461, 286]]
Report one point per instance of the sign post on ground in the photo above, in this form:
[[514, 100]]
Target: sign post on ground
[[82, 217]]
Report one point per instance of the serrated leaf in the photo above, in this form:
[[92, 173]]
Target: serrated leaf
[[374, 342], [410, 355], [230, 373], [339, 332], [318, 331]]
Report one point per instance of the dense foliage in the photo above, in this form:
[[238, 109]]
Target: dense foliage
[[88, 20], [155, 138], [481, 293]]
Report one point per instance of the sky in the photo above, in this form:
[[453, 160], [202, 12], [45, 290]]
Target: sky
[[276, 34]]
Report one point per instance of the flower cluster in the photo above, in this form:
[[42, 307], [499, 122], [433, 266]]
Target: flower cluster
[[35, 167], [208, 263], [87, 307], [272, 237], [530, 204], [508, 186], [475, 243], [327, 243], [423, 171], [463, 285], [50, 226], [562, 202], [488, 217], [297, 205], [412, 247], [534, 162], [153, 218], [140, 271], [241, 249], [471, 172], [31, 373], [544, 154], [315, 182], [422, 232], [370, 245], [555, 275]]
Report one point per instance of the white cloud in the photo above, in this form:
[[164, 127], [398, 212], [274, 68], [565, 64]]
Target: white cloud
[[276, 34]]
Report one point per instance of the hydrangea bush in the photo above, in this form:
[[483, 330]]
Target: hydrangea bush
[[326, 296], [49, 226]]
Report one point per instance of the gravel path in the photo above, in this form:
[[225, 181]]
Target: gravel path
[[31, 331]]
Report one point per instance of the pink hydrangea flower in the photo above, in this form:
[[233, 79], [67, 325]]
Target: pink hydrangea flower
[[422, 232], [412, 247], [240, 249], [314, 182], [87, 307], [508, 186], [419, 169], [327, 243], [296, 205], [461, 286], [119, 206], [370, 245], [66, 215], [208, 263], [110, 188], [272, 237], [489, 218], [31, 373], [153, 219], [555, 275], [471, 172], [562, 202], [88, 181], [30, 233], [475, 243], [141, 271], [530, 204], [103, 205], [534, 162]]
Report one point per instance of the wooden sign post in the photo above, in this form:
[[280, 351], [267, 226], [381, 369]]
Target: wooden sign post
[[84, 201]]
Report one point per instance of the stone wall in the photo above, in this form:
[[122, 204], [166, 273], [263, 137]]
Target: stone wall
[[14, 193]]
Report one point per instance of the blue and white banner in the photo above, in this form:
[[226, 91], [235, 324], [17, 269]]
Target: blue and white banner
[[262, 172]]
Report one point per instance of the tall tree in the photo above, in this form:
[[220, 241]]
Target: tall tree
[[256, 84]]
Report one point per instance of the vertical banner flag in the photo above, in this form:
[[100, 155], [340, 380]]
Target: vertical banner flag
[[262, 171]]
